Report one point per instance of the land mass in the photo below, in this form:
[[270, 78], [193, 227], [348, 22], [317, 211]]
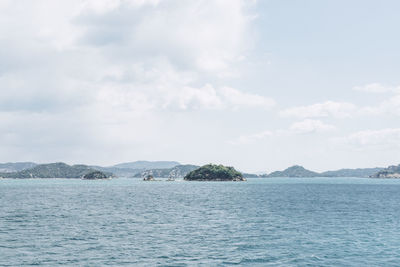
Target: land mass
[[52, 170], [359, 172], [300, 171], [96, 175], [211, 172], [389, 172], [176, 172], [16, 166], [294, 171], [170, 169], [133, 169]]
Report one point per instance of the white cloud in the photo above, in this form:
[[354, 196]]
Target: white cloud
[[203, 35], [209, 97], [390, 106], [187, 97], [141, 54], [236, 98], [112, 79], [388, 138], [377, 88], [251, 138], [139, 99], [303, 127], [103, 6], [100, 75], [311, 126], [325, 109]]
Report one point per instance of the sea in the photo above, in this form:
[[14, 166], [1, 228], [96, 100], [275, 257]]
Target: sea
[[261, 222]]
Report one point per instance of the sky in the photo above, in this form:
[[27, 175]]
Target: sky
[[258, 85]]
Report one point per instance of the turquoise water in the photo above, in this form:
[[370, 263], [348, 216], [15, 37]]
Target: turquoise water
[[279, 221]]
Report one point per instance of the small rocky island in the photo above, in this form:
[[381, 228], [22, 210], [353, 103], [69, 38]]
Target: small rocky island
[[149, 178], [96, 175], [211, 172]]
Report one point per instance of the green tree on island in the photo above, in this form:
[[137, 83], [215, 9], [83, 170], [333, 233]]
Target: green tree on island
[[96, 175], [212, 172]]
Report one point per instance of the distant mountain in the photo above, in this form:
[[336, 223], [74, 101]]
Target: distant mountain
[[176, 172], [52, 170], [360, 172], [130, 169], [389, 172], [250, 175], [146, 165], [119, 172], [294, 171], [16, 166], [299, 171]]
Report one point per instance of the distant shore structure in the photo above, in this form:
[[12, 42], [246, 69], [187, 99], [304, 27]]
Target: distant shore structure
[[149, 177]]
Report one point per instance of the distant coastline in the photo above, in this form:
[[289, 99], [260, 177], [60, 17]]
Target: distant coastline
[[170, 169]]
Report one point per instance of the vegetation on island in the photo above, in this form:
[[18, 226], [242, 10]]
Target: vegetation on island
[[16, 166], [294, 171], [300, 171], [176, 172], [211, 172], [389, 172], [359, 172], [95, 175], [136, 168], [163, 169], [52, 170]]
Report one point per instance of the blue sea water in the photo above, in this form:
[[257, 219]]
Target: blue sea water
[[261, 222]]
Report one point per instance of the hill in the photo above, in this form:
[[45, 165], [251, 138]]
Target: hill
[[294, 171], [119, 172], [359, 172], [250, 175], [176, 172], [389, 172], [213, 172], [16, 166], [134, 169], [52, 170], [147, 165]]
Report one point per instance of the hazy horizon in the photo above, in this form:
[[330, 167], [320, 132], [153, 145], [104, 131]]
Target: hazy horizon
[[188, 163], [258, 85]]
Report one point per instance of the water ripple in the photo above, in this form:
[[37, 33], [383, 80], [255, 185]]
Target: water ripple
[[289, 222]]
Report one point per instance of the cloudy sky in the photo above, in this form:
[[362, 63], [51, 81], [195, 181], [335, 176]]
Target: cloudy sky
[[260, 85]]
